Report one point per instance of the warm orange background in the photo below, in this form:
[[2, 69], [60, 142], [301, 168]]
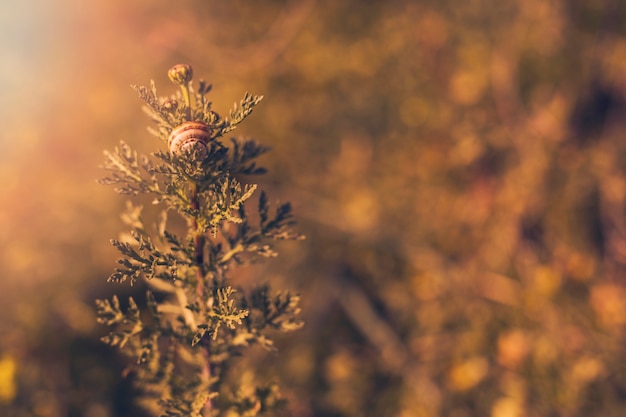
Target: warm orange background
[[458, 168]]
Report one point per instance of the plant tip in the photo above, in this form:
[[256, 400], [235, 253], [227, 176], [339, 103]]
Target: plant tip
[[180, 74]]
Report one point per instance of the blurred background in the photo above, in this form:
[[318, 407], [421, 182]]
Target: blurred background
[[458, 169]]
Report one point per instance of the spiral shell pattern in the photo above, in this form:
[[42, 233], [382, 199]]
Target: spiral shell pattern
[[190, 137]]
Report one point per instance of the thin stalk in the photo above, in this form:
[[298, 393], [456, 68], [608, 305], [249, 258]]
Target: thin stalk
[[199, 242], [187, 98], [234, 251]]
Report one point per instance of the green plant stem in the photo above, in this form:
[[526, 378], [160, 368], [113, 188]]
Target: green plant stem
[[187, 98]]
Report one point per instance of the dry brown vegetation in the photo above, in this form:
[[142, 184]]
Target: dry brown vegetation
[[458, 169]]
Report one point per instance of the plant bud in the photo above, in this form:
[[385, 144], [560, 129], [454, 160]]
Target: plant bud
[[180, 74], [170, 105]]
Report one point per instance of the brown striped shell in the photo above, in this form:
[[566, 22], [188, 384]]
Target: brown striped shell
[[190, 137]]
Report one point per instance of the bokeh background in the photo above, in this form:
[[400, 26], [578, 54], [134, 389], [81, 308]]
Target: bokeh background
[[458, 169]]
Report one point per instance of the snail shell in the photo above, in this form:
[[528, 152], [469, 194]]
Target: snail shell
[[190, 137]]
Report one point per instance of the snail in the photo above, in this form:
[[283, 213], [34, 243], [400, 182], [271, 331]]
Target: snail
[[190, 137]]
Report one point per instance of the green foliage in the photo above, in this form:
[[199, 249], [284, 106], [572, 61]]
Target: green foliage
[[189, 335]]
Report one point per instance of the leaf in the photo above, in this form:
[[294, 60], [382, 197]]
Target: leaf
[[263, 208], [199, 335], [128, 323], [127, 169], [243, 152], [241, 110]]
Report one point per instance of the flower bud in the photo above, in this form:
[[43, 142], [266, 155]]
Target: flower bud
[[180, 74], [170, 105]]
